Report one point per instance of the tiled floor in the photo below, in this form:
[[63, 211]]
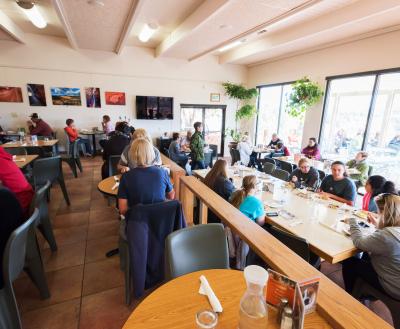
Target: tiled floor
[[87, 289]]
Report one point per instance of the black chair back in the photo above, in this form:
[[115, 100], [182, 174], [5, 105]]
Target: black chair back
[[270, 160], [298, 245], [321, 174], [287, 166], [269, 168], [113, 161], [281, 174], [46, 169]]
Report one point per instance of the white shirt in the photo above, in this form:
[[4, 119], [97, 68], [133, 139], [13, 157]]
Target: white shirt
[[245, 150]]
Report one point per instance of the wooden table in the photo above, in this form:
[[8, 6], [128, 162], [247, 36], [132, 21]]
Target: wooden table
[[325, 242], [260, 151], [39, 143], [27, 160], [105, 186], [92, 133], [175, 304]]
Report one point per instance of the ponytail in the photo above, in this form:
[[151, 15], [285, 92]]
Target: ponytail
[[248, 183], [238, 197]]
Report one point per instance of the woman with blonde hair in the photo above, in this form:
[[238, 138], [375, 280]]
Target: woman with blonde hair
[[145, 183], [126, 162], [380, 264]]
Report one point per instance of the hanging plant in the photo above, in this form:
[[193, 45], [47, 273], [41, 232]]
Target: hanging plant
[[244, 110], [304, 94]]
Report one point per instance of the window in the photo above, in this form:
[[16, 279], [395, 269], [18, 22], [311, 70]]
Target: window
[[213, 118], [362, 112], [272, 117]]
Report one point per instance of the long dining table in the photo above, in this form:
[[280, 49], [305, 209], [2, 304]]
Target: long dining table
[[304, 214]]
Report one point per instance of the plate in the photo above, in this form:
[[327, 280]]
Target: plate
[[361, 214], [273, 204]]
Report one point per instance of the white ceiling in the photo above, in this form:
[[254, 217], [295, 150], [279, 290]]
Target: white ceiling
[[190, 29]]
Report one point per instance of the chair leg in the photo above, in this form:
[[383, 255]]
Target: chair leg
[[61, 181], [78, 163], [125, 266], [72, 165], [45, 227], [9, 313], [34, 268]]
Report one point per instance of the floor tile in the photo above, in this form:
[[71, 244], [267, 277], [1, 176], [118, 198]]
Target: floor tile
[[96, 249], [105, 310], [60, 316], [99, 204], [102, 275], [77, 205], [71, 219], [70, 235], [66, 256], [103, 215], [64, 285], [337, 277], [328, 268], [103, 230]]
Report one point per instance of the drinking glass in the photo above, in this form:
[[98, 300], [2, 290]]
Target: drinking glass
[[206, 319]]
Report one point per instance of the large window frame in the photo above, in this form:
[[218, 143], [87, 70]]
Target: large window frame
[[374, 95]]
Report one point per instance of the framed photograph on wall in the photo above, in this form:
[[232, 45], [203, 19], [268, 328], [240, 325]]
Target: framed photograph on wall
[[10, 94], [215, 97], [36, 94], [66, 96], [115, 98]]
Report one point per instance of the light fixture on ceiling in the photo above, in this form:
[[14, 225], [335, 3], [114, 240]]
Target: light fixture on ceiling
[[95, 3], [231, 45], [31, 11], [147, 31]]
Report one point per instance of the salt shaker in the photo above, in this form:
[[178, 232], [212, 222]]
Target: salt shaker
[[287, 318], [282, 304]]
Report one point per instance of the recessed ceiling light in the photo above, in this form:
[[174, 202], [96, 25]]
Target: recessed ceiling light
[[31, 11], [147, 31], [230, 45], [262, 31], [225, 26], [95, 2]]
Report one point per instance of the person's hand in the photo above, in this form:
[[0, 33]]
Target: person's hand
[[345, 220], [124, 170], [294, 179], [29, 122], [373, 219], [325, 195]]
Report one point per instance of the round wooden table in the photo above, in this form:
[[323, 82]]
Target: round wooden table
[[105, 186]]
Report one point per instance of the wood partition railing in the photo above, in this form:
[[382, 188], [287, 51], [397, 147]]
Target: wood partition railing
[[176, 172], [335, 307]]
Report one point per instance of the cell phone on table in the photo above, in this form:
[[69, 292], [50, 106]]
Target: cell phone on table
[[272, 214]]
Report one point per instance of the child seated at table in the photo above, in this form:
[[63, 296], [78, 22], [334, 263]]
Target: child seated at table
[[253, 208]]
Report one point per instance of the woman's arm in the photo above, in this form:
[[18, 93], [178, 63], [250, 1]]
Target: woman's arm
[[337, 198], [372, 242], [170, 195], [123, 206], [261, 220]]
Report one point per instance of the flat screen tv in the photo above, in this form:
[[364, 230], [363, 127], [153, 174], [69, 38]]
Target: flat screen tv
[[154, 108]]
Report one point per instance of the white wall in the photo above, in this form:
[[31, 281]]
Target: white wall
[[52, 62], [380, 52]]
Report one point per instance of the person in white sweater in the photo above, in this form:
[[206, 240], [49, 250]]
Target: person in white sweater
[[380, 264], [245, 150]]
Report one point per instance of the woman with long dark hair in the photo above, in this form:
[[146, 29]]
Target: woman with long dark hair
[[375, 185], [217, 179]]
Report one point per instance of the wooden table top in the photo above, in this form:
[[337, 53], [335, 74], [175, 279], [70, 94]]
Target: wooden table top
[[105, 186], [327, 243], [23, 160], [175, 304], [40, 143]]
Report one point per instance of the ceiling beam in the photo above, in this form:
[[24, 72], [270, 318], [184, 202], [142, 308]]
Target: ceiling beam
[[130, 21], [357, 18], [8, 26], [59, 7], [200, 16], [285, 15]]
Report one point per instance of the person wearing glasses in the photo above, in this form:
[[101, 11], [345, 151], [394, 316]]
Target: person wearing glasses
[[375, 185], [305, 175], [338, 186], [380, 264]]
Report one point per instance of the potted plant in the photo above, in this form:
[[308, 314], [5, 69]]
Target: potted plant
[[244, 109], [305, 93]]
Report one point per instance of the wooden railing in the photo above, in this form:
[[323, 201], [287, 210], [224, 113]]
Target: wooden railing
[[335, 307], [176, 173]]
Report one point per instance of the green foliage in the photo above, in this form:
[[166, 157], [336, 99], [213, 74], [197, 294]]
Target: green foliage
[[246, 112], [239, 92], [235, 135], [304, 94]]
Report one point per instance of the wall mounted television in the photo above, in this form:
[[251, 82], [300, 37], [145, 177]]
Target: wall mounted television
[[154, 108]]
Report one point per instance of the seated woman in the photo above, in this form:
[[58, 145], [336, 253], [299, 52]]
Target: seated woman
[[245, 150], [175, 152], [380, 264], [107, 125], [337, 186], [280, 151], [73, 136], [13, 178], [145, 183], [374, 186], [359, 163], [185, 141], [11, 218], [311, 151], [305, 175], [126, 162], [253, 208], [115, 145]]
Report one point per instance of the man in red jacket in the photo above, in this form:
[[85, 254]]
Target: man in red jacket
[[73, 135], [38, 127], [12, 178]]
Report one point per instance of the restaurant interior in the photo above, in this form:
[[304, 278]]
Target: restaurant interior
[[199, 164]]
